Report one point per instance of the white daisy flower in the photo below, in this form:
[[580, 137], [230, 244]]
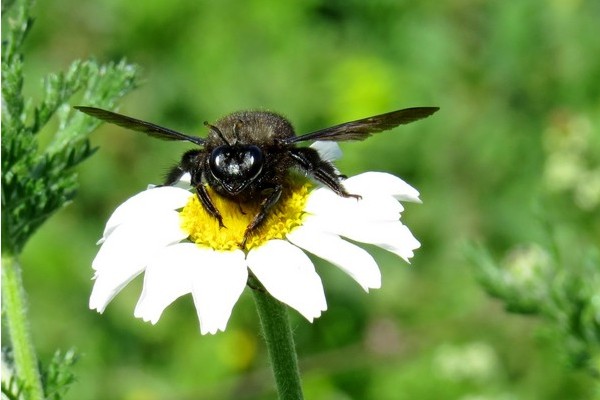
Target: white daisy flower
[[166, 233]]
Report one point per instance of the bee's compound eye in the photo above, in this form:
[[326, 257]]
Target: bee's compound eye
[[236, 166], [252, 161]]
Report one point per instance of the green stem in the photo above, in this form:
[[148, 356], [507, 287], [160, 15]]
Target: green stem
[[14, 308], [280, 344]]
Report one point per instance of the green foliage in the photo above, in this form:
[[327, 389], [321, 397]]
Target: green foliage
[[36, 182], [11, 385], [58, 375], [38, 178], [540, 281]]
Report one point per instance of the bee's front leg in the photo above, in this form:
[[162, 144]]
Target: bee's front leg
[[265, 206], [207, 203]]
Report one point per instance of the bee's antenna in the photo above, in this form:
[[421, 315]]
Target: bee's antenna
[[218, 132]]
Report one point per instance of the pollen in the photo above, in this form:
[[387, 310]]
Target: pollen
[[204, 229]]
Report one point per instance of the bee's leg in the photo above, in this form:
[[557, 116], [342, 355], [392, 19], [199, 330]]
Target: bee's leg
[[309, 161], [268, 202], [174, 175], [189, 161], [207, 203]]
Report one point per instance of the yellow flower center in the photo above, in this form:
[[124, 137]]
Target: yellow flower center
[[204, 229]]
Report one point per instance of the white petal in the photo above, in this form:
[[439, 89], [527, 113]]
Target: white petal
[[389, 235], [351, 259], [168, 277], [106, 287], [219, 280], [289, 276], [127, 251], [185, 181], [146, 203], [215, 279], [329, 151], [381, 183], [325, 203]]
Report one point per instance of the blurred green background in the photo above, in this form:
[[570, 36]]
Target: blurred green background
[[513, 154]]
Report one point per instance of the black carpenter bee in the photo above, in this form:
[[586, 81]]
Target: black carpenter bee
[[247, 155]]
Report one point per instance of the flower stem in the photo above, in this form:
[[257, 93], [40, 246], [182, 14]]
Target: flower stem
[[14, 309], [280, 344]]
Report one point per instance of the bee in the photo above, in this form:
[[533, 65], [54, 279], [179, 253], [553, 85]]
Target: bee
[[248, 155]]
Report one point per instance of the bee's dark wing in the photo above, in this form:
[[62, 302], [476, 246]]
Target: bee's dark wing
[[363, 128], [138, 125]]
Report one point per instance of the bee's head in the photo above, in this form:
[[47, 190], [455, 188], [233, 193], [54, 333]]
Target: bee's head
[[235, 166]]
